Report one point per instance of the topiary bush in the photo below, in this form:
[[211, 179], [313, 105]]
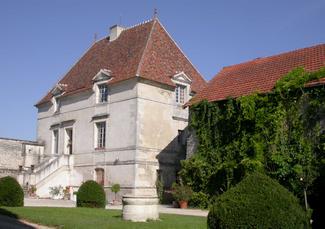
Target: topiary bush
[[91, 195], [11, 193], [257, 202]]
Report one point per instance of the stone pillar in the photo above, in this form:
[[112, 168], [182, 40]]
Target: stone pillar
[[141, 204], [138, 208]]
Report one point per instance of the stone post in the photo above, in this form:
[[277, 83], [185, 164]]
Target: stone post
[[142, 203]]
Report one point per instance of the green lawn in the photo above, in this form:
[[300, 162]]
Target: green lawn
[[97, 218]]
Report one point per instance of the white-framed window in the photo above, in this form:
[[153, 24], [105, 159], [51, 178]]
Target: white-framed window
[[102, 96], [68, 140], [56, 104], [100, 135], [55, 141], [180, 93]]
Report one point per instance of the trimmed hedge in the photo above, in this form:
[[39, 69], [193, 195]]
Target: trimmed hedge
[[199, 200], [91, 195], [11, 193], [257, 202]]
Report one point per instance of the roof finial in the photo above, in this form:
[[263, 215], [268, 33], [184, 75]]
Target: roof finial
[[155, 13], [95, 37]]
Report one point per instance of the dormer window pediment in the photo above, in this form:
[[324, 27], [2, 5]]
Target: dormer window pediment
[[182, 77], [58, 89], [102, 75]]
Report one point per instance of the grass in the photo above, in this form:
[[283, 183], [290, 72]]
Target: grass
[[97, 218]]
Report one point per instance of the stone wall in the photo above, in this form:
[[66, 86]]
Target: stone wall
[[9, 172], [11, 154], [15, 153]]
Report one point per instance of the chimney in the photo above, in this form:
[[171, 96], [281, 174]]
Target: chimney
[[115, 32]]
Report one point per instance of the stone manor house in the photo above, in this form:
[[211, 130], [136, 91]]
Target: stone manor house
[[118, 115]]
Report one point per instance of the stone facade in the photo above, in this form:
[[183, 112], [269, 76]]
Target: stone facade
[[143, 122]]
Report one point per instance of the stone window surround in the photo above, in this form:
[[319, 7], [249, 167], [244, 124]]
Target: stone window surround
[[102, 96], [180, 93], [55, 141], [67, 124], [102, 77], [96, 132], [182, 80], [56, 104], [66, 150]]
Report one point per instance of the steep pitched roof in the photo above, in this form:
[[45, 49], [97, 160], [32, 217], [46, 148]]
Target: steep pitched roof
[[260, 75], [145, 50]]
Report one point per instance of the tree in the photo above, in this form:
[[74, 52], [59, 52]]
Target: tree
[[115, 188]]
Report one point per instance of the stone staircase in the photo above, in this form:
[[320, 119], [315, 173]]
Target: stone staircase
[[52, 171]]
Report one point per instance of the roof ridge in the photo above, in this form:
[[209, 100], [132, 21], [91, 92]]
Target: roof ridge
[[145, 48], [271, 56], [138, 24]]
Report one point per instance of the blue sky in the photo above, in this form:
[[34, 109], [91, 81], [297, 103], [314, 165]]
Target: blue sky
[[40, 40]]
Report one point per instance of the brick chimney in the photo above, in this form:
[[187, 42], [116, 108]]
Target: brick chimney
[[115, 32]]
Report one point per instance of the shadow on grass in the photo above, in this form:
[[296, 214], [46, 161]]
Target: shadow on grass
[[117, 216], [11, 220]]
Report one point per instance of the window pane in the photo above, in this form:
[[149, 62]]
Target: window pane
[[180, 93], [101, 134], [55, 141], [103, 93]]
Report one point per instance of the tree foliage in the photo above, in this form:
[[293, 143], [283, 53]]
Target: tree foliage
[[280, 133]]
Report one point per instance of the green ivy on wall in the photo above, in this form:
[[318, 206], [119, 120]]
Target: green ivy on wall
[[279, 133]]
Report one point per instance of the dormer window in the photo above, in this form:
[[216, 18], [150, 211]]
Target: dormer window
[[56, 92], [100, 85], [56, 104], [182, 88], [102, 93], [180, 93]]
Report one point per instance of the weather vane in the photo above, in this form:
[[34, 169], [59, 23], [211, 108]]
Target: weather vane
[[155, 13]]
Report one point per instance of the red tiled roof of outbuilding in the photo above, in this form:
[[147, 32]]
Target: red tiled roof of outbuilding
[[260, 75], [145, 50]]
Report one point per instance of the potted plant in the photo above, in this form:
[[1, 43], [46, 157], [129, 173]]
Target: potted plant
[[182, 194], [115, 188], [56, 192], [66, 193], [32, 191]]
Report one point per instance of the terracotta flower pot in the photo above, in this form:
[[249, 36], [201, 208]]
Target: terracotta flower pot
[[115, 202], [182, 204]]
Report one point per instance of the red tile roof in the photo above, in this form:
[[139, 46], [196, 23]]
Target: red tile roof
[[145, 50], [260, 75]]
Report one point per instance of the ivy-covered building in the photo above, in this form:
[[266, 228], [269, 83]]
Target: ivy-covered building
[[258, 76], [266, 114]]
